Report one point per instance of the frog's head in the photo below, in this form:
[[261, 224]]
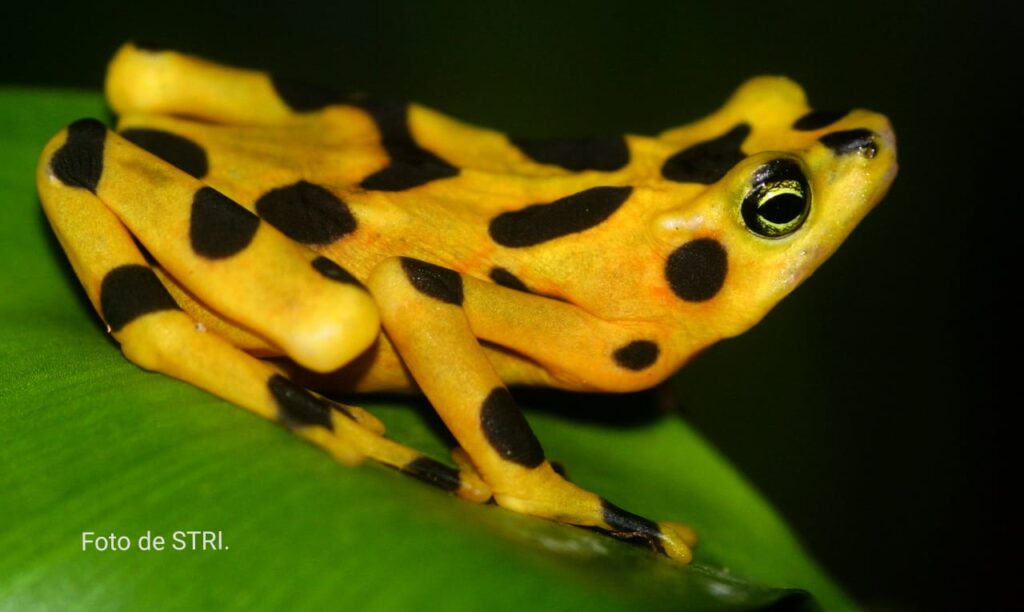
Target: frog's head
[[766, 189]]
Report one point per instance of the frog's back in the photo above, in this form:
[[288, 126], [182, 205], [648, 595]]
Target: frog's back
[[362, 180]]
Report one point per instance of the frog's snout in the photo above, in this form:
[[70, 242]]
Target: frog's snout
[[884, 152], [872, 142]]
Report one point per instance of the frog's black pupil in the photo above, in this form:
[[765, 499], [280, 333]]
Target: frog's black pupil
[[781, 209]]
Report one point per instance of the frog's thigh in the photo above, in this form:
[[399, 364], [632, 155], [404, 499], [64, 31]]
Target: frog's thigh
[[157, 335], [422, 310]]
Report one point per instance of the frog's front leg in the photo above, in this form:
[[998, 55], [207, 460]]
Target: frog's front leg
[[95, 187], [427, 311]]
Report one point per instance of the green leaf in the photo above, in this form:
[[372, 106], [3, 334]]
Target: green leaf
[[90, 443]]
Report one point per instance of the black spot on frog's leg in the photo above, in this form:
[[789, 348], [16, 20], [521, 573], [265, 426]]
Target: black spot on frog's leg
[[130, 291], [602, 154], [410, 165], [297, 407], [632, 528], [178, 151], [503, 277], [307, 213], [708, 161], [79, 163], [696, 270], [851, 141], [817, 119], [334, 272], [507, 431], [542, 222], [433, 280], [301, 97], [637, 355], [433, 472], [219, 227]]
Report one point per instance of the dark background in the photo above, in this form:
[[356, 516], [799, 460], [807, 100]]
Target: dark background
[[862, 407]]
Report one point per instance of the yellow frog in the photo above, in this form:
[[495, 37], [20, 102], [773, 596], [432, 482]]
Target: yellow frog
[[370, 246]]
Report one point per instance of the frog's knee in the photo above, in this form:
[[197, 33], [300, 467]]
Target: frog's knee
[[333, 340]]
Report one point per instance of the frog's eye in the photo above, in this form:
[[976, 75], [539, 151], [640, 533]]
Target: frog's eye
[[778, 201]]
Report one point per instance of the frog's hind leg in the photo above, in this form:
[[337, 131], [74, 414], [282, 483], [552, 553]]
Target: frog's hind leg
[[236, 264], [157, 335]]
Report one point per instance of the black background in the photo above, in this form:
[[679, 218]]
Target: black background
[[863, 405]]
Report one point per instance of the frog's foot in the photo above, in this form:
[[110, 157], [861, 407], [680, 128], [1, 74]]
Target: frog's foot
[[542, 492]]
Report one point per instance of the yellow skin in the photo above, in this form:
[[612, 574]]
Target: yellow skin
[[625, 283]]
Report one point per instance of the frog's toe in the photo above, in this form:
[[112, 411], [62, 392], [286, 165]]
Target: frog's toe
[[687, 533], [677, 544], [674, 540]]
